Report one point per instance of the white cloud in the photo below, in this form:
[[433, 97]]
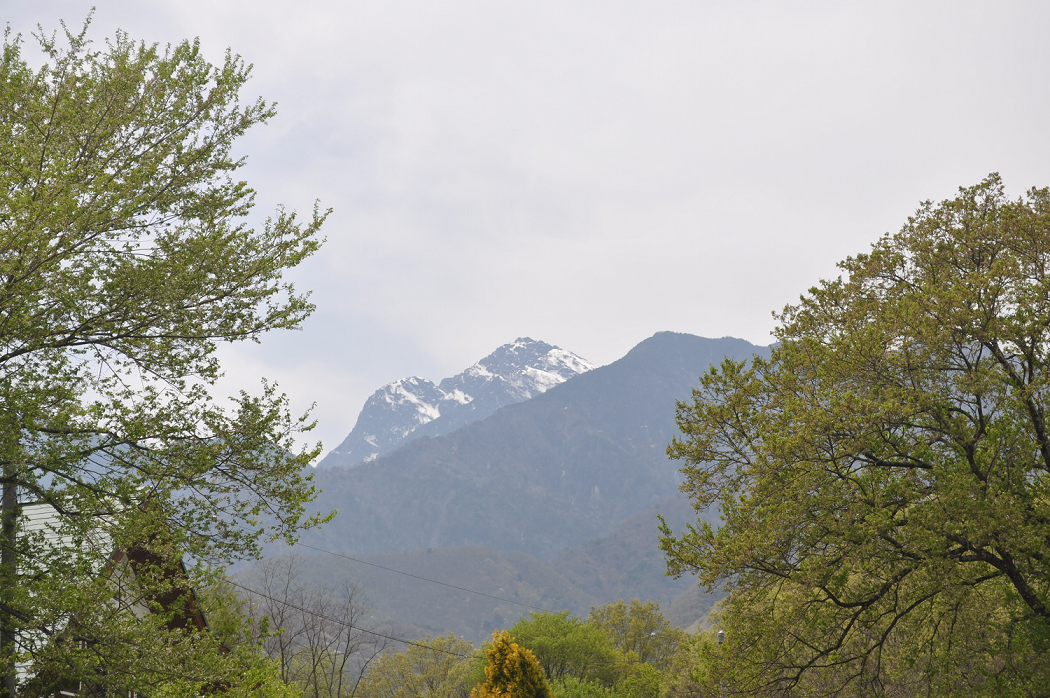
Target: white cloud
[[590, 173]]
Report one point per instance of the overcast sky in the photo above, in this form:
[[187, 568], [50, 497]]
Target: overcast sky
[[589, 173]]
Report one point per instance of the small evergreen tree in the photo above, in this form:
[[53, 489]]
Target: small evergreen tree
[[512, 672]]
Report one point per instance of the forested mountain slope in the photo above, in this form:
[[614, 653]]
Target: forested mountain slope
[[625, 564], [560, 469], [628, 562]]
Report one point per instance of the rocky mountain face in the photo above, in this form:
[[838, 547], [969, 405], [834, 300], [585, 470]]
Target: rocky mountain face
[[565, 467], [412, 407]]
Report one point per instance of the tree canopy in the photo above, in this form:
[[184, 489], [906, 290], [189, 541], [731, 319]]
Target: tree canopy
[[639, 628], [568, 647], [438, 667], [126, 258], [883, 476]]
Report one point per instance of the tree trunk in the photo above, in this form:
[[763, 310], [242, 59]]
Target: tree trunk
[[8, 572]]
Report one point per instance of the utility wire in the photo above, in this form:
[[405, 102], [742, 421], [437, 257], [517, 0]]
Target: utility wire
[[416, 576], [347, 625]]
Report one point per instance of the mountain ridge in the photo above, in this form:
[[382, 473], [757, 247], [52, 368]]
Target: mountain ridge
[[411, 407], [564, 467]]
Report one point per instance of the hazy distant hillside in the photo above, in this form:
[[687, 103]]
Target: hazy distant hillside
[[433, 609], [624, 564], [565, 467], [628, 562], [412, 407]]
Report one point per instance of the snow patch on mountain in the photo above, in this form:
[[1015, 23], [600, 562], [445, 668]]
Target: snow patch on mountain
[[412, 407]]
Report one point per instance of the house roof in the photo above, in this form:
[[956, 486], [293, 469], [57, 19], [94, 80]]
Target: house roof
[[45, 524]]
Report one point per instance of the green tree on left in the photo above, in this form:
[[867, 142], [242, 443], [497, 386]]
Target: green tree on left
[[126, 259]]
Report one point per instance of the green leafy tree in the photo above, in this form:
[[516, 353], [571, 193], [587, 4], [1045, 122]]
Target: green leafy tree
[[639, 628], [883, 476], [229, 621], [571, 687], [568, 647], [642, 680], [126, 258], [512, 672], [680, 678], [438, 667]]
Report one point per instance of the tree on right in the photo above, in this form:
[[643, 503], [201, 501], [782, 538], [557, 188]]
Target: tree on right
[[883, 476]]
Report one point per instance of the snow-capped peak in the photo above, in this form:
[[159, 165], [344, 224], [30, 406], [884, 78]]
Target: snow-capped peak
[[414, 406]]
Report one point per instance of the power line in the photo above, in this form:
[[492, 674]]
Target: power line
[[347, 625], [416, 576]]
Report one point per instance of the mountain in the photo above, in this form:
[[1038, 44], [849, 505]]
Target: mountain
[[560, 469], [412, 407], [628, 562]]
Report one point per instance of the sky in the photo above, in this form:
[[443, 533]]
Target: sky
[[590, 173]]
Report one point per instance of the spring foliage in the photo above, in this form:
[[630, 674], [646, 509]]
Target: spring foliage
[[437, 667], [884, 477], [638, 628], [568, 647], [126, 259]]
